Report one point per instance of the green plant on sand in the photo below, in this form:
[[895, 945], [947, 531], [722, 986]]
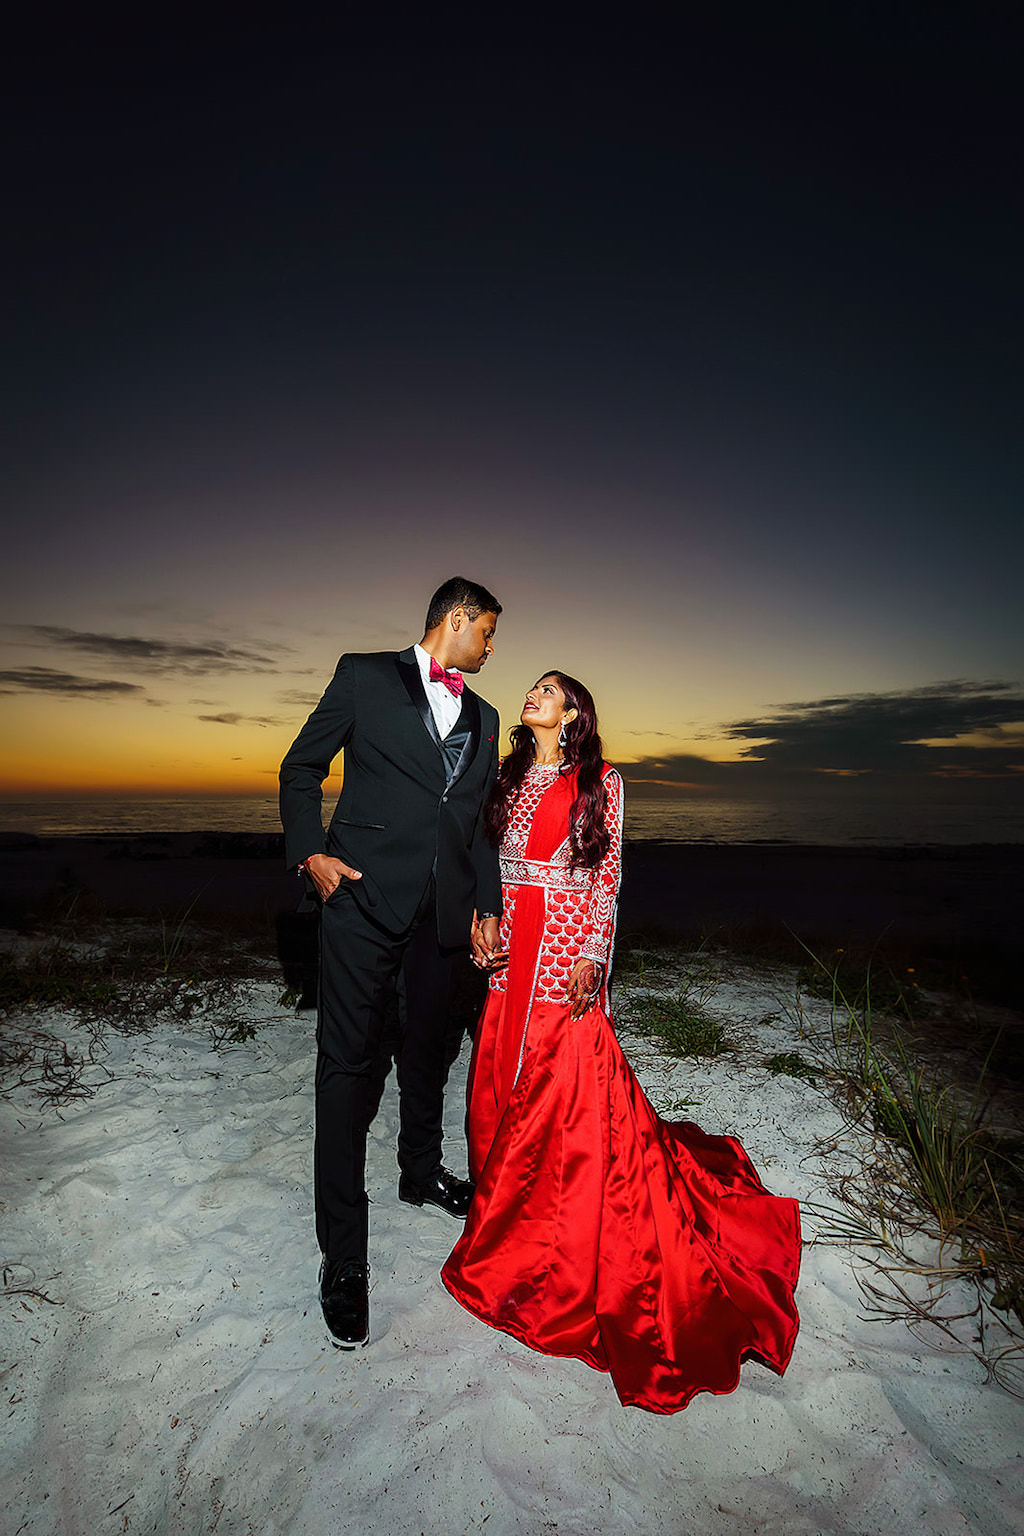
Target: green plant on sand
[[791, 1064], [679, 1021], [937, 1168], [681, 1027], [158, 967], [865, 979]]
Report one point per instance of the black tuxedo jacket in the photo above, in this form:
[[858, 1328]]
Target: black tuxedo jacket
[[398, 816]]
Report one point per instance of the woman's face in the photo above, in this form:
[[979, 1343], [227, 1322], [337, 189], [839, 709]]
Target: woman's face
[[545, 706]]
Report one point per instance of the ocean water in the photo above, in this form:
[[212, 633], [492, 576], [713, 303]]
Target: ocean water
[[676, 820]]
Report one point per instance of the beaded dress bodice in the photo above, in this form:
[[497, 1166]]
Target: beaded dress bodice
[[579, 903]]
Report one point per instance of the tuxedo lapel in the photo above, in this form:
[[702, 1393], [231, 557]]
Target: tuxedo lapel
[[409, 672]]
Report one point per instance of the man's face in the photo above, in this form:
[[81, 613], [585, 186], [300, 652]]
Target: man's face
[[473, 639]]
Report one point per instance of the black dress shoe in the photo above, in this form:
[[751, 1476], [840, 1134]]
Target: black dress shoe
[[443, 1189], [344, 1296]]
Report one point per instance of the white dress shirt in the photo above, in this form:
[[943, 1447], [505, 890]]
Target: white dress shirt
[[444, 706]]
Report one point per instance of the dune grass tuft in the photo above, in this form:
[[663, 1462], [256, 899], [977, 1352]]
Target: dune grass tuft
[[791, 1064], [679, 1021], [681, 1027], [936, 1167], [124, 974]]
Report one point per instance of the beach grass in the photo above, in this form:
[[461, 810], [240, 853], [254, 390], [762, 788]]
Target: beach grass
[[936, 1164], [125, 973], [935, 1174], [678, 1019], [55, 979], [867, 980], [791, 1064], [681, 1027]]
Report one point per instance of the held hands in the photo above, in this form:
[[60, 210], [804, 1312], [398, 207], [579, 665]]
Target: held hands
[[327, 873], [584, 982], [487, 953], [583, 986]]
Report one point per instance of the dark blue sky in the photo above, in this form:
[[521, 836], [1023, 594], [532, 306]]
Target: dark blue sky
[[699, 342]]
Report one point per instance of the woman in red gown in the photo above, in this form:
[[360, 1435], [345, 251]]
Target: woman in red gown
[[598, 1230]]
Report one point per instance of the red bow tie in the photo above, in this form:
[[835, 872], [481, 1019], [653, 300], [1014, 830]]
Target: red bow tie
[[453, 681]]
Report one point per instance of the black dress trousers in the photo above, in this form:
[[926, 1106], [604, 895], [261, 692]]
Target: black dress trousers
[[361, 967]]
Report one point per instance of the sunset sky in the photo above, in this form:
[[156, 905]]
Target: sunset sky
[[699, 345]]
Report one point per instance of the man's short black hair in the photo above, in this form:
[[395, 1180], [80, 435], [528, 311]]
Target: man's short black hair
[[457, 592]]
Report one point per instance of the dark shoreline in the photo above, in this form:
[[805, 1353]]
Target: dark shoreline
[[956, 908]]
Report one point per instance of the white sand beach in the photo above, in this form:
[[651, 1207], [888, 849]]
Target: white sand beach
[[176, 1379]]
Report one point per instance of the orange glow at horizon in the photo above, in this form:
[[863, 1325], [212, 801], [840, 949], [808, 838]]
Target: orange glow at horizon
[[83, 747], [115, 727]]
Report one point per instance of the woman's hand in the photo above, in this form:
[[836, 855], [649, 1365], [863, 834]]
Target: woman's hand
[[487, 954], [583, 987]]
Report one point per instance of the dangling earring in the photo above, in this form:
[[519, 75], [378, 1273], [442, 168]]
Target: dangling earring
[[563, 739]]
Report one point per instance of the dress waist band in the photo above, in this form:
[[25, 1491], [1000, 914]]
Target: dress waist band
[[546, 873]]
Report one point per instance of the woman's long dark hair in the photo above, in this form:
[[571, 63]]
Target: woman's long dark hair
[[588, 836]]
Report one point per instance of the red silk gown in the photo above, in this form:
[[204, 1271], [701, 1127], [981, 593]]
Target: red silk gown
[[647, 1249]]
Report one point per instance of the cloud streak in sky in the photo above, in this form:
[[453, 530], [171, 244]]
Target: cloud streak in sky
[[193, 660], [679, 770], [899, 732], [48, 680], [954, 729], [298, 697], [229, 717]]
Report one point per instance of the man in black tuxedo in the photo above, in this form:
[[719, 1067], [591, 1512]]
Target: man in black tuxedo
[[406, 879]]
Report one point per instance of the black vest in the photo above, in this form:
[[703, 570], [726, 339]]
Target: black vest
[[453, 743]]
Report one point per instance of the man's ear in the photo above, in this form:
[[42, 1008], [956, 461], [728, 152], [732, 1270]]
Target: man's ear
[[456, 618]]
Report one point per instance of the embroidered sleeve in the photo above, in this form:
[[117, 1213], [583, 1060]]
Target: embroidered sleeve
[[599, 923]]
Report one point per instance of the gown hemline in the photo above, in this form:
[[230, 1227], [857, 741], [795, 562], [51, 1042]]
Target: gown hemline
[[634, 1400]]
